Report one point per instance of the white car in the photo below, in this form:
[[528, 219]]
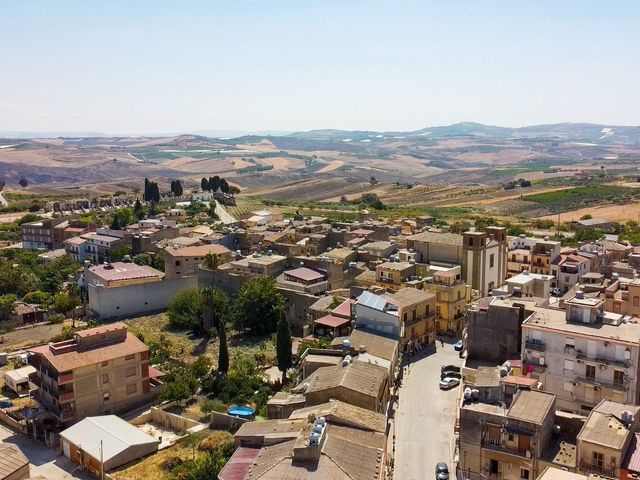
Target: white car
[[448, 383]]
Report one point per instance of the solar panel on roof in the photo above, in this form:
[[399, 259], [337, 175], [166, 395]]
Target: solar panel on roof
[[371, 300]]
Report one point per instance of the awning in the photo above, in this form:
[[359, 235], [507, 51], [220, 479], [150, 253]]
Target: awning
[[332, 321]]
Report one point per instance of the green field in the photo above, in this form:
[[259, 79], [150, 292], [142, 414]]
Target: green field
[[579, 197]]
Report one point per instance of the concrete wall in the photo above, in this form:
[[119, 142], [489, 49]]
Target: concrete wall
[[494, 335], [134, 300], [378, 321], [222, 421]]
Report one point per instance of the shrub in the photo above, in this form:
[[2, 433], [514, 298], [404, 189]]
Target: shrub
[[214, 405], [56, 319], [185, 311], [171, 463], [218, 441]]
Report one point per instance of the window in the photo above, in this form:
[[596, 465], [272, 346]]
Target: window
[[105, 378], [177, 263], [618, 377], [597, 460], [131, 389], [130, 357], [524, 473], [511, 437], [591, 372], [492, 260], [106, 396], [636, 301], [105, 364], [568, 365], [131, 371]]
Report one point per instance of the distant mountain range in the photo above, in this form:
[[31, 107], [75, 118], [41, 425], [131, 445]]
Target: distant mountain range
[[575, 132]]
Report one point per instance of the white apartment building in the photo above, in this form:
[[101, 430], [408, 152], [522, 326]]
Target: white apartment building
[[583, 355]]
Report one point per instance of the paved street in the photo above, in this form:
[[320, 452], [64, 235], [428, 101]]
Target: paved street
[[45, 462], [426, 417]]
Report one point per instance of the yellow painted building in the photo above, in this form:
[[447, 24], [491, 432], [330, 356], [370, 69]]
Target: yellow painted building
[[452, 296]]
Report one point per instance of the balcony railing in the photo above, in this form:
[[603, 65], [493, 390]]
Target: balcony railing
[[412, 321], [622, 386], [588, 468], [66, 397], [601, 359], [65, 378], [532, 344], [505, 449]]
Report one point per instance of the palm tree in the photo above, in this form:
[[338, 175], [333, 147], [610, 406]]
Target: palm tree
[[211, 260]]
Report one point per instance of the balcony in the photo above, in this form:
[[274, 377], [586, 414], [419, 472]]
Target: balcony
[[532, 344], [621, 386], [68, 415], [602, 359], [66, 397], [418, 319], [591, 469], [65, 378], [505, 449]]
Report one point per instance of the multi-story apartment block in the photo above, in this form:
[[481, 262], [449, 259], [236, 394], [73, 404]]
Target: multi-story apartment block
[[545, 256], [95, 247], [452, 297], [570, 269], [184, 262], [500, 444], [51, 233], [519, 254], [583, 355], [100, 371], [623, 296], [408, 315]]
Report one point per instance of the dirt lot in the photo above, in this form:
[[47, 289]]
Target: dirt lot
[[617, 213], [29, 337]]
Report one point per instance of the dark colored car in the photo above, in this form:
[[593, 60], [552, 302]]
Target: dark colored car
[[458, 346], [6, 403], [449, 368], [450, 374], [442, 471]]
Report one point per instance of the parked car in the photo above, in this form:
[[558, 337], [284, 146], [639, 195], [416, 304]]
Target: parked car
[[450, 374], [5, 403], [458, 346], [449, 368], [448, 383], [442, 471]]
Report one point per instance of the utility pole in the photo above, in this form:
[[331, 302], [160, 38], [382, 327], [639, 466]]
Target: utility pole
[[101, 462]]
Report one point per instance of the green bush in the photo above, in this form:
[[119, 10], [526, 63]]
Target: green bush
[[214, 405], [185, 311]]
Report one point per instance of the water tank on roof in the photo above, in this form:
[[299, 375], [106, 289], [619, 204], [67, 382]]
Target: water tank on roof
[[504, 371], [580, 294], [467, 393], [522, 235], [475, 393], [301, 264], [346, 344]]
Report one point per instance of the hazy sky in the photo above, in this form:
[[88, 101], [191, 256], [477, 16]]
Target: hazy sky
[[160, 66]]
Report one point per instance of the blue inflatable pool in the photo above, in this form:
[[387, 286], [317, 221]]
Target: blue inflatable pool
[[242, 412]]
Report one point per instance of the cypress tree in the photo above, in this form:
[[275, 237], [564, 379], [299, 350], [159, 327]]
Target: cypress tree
[[204, 184], [283, 347], [223, 353]]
